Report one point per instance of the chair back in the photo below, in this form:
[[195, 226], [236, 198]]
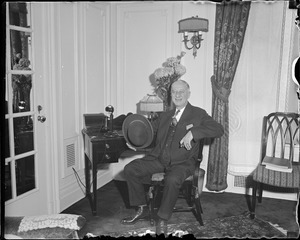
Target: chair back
[[280, 135], [200, 152]]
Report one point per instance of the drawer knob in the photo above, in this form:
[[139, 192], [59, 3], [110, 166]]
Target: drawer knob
[[107, 145], [107, 156]]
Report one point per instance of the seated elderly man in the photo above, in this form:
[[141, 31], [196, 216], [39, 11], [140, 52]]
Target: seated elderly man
[[177, 134]]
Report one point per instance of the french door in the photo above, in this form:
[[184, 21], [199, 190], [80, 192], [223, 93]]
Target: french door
[[26, 176]]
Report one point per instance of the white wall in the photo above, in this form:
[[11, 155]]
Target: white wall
[[95, 55], [144, 39]]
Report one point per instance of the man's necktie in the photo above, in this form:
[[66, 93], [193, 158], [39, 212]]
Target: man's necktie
[[174, 120]]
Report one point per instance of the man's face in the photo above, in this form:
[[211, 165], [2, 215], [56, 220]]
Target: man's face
[[180, 94]]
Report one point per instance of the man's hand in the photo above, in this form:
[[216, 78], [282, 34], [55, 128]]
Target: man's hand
[[186, 141], [131, 147]]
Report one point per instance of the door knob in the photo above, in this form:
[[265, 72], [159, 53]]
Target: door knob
[[41, 119]]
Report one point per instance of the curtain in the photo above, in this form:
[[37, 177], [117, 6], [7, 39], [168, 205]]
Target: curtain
[[230, 27]]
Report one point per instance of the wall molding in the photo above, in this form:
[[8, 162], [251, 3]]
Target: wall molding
[[284, 75], [124, 14], [240, 170], [52, 102], [98, 13]]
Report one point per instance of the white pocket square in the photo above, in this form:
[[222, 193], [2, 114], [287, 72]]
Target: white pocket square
[[188, 127]]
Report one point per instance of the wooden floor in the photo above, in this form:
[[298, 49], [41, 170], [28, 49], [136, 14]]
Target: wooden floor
[[113, 206]]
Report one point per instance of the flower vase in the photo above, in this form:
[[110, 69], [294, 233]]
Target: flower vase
[[168, 103], [165, 106], [168, 107]]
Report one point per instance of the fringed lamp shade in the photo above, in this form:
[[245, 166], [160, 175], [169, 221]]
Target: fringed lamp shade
[[151, 103]]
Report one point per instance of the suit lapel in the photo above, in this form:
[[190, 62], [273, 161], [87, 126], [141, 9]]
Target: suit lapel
[[166, 124], [168, 119]]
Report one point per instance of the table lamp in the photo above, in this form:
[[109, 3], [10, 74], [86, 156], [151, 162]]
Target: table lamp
[[151, 104]]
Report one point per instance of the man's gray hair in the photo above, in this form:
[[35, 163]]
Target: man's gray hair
[[184, 82]]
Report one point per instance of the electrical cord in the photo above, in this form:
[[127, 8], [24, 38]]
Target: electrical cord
[[78, 179], [92, 182]]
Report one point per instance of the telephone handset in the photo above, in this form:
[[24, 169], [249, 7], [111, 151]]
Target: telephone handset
[[110, 133], [110, 109]]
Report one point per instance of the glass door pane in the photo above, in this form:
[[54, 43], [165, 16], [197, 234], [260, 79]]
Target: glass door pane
[[20, 42], [7, 184], [21, 93], [23, 132], [25, 174], [19, 14]]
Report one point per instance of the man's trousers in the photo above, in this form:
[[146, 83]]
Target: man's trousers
[[140, 169]]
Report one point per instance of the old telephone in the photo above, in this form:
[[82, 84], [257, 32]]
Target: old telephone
[[101, 123], [110, 131]]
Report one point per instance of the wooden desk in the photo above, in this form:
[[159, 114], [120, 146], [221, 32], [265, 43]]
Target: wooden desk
[[99, 149]]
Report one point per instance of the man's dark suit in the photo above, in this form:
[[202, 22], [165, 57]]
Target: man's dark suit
[[181, 161]]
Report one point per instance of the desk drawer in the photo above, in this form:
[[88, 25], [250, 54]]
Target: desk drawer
[[108, 157], [109, 146]]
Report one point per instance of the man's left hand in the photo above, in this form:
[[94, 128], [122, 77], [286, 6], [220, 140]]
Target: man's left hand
[[187, 140]]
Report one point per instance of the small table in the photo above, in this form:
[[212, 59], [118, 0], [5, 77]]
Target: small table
[[99, 149]]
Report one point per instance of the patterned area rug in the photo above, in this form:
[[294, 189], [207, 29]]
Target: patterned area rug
[[236, 226]]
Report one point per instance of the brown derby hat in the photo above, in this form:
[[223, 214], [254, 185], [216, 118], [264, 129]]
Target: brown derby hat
[[138, 131]]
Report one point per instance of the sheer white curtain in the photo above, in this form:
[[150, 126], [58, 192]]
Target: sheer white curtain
[[256, 88]]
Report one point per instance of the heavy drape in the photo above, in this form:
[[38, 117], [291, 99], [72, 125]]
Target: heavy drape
[[230, 27]]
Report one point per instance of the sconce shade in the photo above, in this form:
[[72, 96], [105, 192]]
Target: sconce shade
[[196, 26], [151, 103], [193, 24]]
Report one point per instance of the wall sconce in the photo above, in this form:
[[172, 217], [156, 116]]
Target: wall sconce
[[151, 104], [196, 26]]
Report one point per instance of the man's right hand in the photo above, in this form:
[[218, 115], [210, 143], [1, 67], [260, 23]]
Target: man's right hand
[[131, 147]]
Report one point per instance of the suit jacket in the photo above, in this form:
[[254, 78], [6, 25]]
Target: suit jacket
[[194, 119]]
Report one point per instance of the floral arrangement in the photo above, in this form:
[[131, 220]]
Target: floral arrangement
[[170, 72]]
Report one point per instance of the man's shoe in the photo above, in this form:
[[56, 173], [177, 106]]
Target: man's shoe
[[141, 214], [162, 227]]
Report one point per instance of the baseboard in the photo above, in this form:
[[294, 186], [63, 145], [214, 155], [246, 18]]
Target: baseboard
[[237, 184]]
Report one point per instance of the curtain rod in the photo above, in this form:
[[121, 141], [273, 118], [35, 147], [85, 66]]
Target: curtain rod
[[293, 3]]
